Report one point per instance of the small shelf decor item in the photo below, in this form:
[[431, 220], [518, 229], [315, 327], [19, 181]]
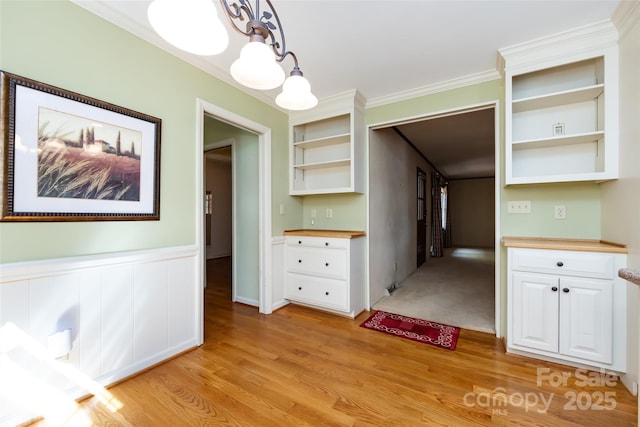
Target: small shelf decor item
[[558, 129], [69, 157]]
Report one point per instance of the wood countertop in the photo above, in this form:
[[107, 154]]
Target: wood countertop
[[564, 244], [342, 234]]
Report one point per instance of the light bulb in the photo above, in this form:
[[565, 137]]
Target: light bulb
[[190, 25], [257, 68], [296, 94]]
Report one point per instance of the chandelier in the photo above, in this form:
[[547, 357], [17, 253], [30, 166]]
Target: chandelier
[[193, 26]]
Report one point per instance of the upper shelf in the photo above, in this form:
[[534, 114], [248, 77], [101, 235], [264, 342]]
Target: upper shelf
[[344, 138], [557, 98], [557, 141], [323, 165]]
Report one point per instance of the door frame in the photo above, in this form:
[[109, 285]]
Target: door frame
[[264, 204], [500, 294]]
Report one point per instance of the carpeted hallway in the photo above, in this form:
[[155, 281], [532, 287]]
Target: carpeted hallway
[[457, 289]]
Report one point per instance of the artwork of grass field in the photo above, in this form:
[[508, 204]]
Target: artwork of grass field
[[85, 167]]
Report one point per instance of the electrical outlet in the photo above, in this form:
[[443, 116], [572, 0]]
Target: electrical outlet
[[560, 212], [282, 209], [329, 213], [519, 207]]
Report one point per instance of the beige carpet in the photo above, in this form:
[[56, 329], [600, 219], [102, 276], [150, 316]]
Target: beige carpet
[[457, 289]]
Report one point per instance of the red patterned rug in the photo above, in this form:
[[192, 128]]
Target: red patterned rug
[[419, 330]]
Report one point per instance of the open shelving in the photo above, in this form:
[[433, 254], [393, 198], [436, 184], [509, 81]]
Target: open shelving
[[326, 147], [561, 110]]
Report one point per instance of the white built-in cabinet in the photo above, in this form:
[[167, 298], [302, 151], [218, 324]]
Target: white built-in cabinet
[[325, 270], [326, 147], [561, 108], [567, 306]]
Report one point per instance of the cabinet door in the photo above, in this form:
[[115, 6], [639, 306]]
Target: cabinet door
[[586, 327], [535, 311]]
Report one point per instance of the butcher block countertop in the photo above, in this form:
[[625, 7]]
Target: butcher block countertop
[[342, 234], [564, 244]]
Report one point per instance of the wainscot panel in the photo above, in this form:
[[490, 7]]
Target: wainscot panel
[[69, 327]]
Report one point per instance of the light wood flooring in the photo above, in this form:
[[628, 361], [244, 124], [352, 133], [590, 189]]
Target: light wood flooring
[[302, 367]]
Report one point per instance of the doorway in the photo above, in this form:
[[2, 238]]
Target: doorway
[[421, 226], [466, 149], [261, 135], [218, 202]]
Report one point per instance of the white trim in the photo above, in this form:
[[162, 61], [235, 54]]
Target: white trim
[[561, 48], [625, 16], [456, 83], [264, 199], [433, 115], [499, 315], [28, 270], [247, 301], [498, 177]]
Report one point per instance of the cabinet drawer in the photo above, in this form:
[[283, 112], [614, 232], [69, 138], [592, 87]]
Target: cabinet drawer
[[583, 264], [319, 262], [317, 242], [317, 291]]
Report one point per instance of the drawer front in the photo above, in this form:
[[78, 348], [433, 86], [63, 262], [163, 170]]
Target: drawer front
[[317, 291], [583, 264], [317, 242], [319, 262]]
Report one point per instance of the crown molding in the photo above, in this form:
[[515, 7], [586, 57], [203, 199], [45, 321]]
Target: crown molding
[[563, 46], [456, 83], [626, 16]]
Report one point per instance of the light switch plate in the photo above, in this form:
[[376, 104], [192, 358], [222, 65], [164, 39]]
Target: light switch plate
[[519, 207]]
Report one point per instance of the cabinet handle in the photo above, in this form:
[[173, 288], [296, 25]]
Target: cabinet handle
[[299, 260], [554, 289], [327, 293], [299, 242], [326, 264], [326, 243], [559, 263], [565, 290], [299, 288]]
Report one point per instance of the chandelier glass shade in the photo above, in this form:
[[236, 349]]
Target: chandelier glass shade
[[257, 67], [190, 25], [193, 26], [296, 93]]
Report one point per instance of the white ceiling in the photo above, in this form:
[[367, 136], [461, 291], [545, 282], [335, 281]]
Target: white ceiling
[[388, 50]]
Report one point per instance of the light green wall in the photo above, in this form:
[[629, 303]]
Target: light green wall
[[349, 211], [59, 43], [582, 203]]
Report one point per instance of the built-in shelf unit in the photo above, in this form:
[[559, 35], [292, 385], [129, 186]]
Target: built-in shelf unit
[[326, 147], [562, 108]]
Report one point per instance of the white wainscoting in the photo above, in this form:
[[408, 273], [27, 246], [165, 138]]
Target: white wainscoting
[[277, 271], [126, 312]]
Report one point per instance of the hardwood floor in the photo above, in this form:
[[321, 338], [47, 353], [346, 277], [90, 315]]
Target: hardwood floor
[[300, 367]]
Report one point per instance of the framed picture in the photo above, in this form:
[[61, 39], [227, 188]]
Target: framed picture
[[69, 157]]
